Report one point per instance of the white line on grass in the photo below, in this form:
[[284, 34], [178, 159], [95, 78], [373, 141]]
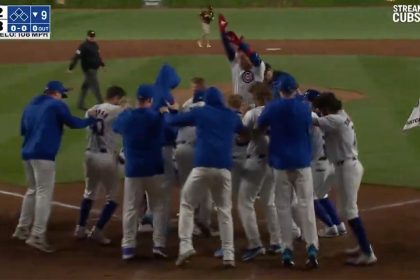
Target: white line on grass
[[369, 209]]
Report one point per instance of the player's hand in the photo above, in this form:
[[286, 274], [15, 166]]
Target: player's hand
[[93, 113], [233, 38], [164, 110], [222, 23], [174, 107]]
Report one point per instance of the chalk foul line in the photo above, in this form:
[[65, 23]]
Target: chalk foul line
[[369, 209]]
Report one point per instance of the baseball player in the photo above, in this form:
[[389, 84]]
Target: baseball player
[[184, 155], [216, 126], [88, 53], [256, 172], [206, 17], [167, 80], [323, 178], [341, 150], [289, 120], [101, 166], [247, 66], [273, 79], [42, 127], [141, 131]]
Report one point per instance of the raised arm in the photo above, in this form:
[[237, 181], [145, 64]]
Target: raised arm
[[230, 52], [71, 121]]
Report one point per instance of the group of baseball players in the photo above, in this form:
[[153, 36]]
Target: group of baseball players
[[268, 141]]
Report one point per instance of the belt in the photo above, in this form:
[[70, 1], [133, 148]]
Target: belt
[[323, 158], [258, 156], [341, 162], [102, 150], [184, 142]]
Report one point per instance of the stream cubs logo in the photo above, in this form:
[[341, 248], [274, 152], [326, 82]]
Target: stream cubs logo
[[247, 77]]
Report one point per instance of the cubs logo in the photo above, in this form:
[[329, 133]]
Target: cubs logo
[[247, 77]]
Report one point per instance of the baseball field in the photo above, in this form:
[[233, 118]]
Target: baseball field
[[358, 52]]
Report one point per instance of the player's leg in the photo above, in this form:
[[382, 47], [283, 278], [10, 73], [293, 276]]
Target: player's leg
[[268, 200], [303, 185], [284, 196], [349, 176], [44, 171], [168, 181], [28, 204], [191, 194], [221, 191], [204, 212], [109, 180], [158, 205], [247, 194], [133, 194], [184, 157], [83, 92]]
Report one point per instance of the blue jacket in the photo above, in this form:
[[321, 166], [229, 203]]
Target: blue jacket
[[216, 126], [42, 127], [290, 123], [141, 130], [166, 80]]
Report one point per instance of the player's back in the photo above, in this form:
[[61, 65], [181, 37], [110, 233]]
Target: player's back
[[101, 137]]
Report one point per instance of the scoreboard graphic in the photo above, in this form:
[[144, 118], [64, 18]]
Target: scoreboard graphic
[[25, 22]]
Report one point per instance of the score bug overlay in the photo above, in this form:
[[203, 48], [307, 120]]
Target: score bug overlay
[[25, 22]]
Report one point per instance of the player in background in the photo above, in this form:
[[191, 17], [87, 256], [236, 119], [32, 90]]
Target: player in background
[[101, 166], [184, 156], [341, 150], [216, 126], [141, 130], [88, 53], [323, 178], [247, 66], [206, 17], [273, 79], [257, 180], [289, 120], [167, 80], [41, 128]]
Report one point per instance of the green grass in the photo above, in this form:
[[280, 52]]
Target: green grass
[[322, 23], [390, 85]]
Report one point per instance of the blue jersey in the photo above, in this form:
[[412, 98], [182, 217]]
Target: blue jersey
[[42, 127], [216, 126], [141, 130], [290, 124], [166, 80]]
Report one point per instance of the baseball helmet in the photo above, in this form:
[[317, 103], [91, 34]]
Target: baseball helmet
[[311, 94]]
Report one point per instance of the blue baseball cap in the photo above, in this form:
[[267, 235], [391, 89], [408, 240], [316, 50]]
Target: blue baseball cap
[[311, 94], [145, 92], [288, 83], [57, 86]]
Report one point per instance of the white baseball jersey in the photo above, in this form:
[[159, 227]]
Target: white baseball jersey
[[340, 137], [238, 151], [317, 141], [101, 137], [187, 134], [259, 145], [242, 80]]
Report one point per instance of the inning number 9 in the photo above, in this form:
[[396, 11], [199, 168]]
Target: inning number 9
[[44, 15]]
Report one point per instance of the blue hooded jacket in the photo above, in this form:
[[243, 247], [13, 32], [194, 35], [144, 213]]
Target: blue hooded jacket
[[216, 126], [290, 123], [140, 129], [42, 127], [166, 81]]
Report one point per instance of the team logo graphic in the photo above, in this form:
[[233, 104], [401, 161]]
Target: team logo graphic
[[247, 77]]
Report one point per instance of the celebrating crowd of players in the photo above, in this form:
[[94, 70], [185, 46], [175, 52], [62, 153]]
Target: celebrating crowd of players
[[269, 140]]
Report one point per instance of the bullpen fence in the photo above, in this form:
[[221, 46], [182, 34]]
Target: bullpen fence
[[128, 4]]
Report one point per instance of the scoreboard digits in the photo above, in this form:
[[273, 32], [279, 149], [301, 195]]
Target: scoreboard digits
[[25, 22]]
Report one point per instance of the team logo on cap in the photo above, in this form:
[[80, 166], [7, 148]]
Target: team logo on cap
[[247, 77]]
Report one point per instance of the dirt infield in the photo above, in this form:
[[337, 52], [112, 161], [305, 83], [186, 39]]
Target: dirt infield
[[391, 214]]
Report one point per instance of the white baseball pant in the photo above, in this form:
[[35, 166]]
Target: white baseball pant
[[349, 177], [169, 180], [219, 183], [101, 169], [257, 179], [300, 181], [134, 190], [36, 205], [323, 177], [184, 158]]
